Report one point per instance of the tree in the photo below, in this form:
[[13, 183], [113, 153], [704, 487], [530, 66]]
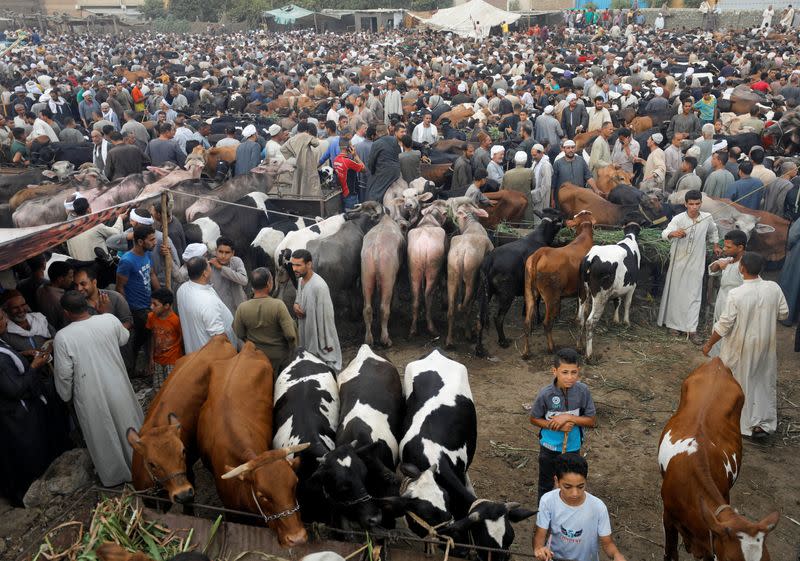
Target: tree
[[248, 10], [153, 9], [203, 10]]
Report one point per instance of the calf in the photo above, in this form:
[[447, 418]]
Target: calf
[[403, 200], [573, 199], [299, 239], [427, 244], [381, 257], [552, 273], [307, 410], [467, 251], [700, 455], [503, 273], [235, 429], [363, 463], [609, 177], [607, 271], [165, 449]]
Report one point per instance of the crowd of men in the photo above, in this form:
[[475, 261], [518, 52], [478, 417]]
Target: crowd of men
[[533, 89]]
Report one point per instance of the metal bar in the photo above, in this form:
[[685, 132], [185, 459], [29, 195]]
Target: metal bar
[[360, 534]]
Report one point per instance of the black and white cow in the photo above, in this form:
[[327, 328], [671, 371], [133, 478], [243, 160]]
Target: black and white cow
[[367, 450], [607, 271], [439, 442], [300, 238], [241, 226], [306, 400], [265, 244]]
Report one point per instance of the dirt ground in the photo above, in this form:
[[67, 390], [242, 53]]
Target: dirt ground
[[635, 381]]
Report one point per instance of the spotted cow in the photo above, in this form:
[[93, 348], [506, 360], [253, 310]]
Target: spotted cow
[[307, 410], [361, 466], [700, 456]]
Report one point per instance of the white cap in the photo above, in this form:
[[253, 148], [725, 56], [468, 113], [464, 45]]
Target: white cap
[[538, 147], [274, 129], [462, 87], [658, 138], [501, 91], [520, 157], [68, 204], [549, 109], [571, 96], [139, 219], [194, 250], [659, 91], [496, 149], [249, 131], [627, 87]]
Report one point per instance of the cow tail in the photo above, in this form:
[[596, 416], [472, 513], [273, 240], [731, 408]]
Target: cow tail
[[483, 295]]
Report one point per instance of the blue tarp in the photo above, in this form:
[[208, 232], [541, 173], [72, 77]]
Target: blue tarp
[[288, 15]]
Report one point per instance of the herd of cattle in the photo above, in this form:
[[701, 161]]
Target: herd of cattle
[[307, 445], [367, 446]]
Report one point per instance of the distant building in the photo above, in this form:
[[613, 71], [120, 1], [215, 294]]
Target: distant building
[[526, 5], [128, 8]]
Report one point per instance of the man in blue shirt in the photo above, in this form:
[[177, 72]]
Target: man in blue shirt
[[333, 144], [136, 279], [747, 191]]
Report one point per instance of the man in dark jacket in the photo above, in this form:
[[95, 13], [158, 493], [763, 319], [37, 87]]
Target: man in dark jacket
[[123, 159], [384, 163], [573, 116]]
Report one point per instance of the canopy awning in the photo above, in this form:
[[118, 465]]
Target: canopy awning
[[468, 19]]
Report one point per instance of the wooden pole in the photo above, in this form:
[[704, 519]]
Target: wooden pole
[[165, 233]]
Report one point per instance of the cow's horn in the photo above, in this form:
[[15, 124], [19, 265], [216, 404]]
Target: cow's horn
[[296, 448], [513, 505], [237, 471]]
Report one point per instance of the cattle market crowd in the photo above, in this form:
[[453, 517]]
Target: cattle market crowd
[[226, 303]]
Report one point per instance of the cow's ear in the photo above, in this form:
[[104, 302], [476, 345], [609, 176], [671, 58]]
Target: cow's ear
[[520, 513], [394, 506], [294, 463], [366, 449], [764, 229], [770, 521], [480, 213], [427, 196], [710, 519], [461, 525], [133, 438], [174, 421], [410, 470]]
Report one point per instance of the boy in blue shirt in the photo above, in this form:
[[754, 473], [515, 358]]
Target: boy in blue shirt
[[561, 410], [577, 522]]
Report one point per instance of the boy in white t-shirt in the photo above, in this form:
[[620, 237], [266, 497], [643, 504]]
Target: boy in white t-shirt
[[572, 524]]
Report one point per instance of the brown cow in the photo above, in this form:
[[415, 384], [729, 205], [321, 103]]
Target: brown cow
[[573, 199], [436, 172], [510, 207], [552, 273], [165, 448], [609, 177], [129, 75], [235, 429], [582, 139], [213, 155], [771, 245], [700, 457], [457, 114], [641, 124]]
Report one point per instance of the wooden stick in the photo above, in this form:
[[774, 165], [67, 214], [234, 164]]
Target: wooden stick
[[165, 232]]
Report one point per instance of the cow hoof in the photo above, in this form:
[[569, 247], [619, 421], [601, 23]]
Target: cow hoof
[[480, 352], [412, 333], [504, 343], [449, 346], [386, 343], [433, 332]]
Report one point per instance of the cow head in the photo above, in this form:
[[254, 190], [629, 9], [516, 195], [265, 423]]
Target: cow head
[[342, 476], [582, 217], [421, 495], [271, 480], [462, 209], [735, 538], [410, 204], [326, 177], [747, 223], [489, 525], [164, 458]]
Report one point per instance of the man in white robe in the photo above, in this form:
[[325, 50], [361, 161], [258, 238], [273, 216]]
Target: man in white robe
[[727, 269], [392, 102], [747, 330], [314, 310], [89, 370], [688, 231]]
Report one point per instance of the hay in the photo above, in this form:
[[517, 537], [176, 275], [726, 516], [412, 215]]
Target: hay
[[117, 521], [653, 248]]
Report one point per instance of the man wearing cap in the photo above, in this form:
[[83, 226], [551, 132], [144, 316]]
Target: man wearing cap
[[495, 167], [655, 167], [248, 153], [520, 178], [547, 130], [272, 151], [574, 117], [542, 183], [598, 114], [461, 96], [571, 169], [87, 108], [107, 114]]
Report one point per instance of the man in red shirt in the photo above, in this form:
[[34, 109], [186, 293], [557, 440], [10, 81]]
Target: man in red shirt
[[762, 85], [346, 165]]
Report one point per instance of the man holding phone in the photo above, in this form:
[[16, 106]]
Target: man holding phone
[[346, 165]]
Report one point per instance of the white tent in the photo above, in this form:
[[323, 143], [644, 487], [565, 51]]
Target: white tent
[[464, 18]]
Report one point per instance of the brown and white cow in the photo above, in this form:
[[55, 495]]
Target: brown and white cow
[[235, 429], [700, 456]]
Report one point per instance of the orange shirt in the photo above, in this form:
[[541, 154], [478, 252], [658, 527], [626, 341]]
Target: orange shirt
[[166, 338]]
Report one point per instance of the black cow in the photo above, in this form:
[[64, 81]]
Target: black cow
[[370, 426], [503, 273]]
